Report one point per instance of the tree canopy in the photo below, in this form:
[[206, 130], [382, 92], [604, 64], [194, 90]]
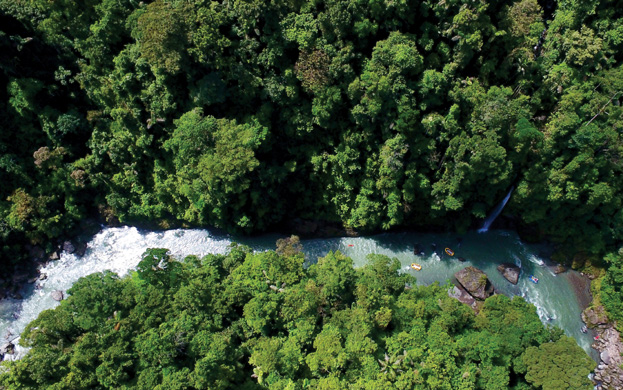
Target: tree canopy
[[249, 114], [261, 320]]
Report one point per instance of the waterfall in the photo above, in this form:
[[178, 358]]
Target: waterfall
[[496, 212]]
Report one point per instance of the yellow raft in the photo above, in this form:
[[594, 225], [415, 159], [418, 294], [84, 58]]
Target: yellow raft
[[416, 267], [449, 251]]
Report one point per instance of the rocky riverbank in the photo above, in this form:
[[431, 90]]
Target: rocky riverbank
[[473, 286], [12, 281], [582, 287], [28, 272], [608, 374]]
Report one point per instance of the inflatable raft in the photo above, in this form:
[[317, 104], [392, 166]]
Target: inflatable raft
[[416, 267]]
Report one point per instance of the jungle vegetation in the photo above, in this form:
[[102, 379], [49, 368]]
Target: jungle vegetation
[[243, 114], [264, 321]]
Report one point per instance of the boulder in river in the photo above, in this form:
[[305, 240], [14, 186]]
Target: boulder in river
[[475, 282], [7, 348], [76, 247], [69, 247], [57, 295], [81, 248], [510, 272]]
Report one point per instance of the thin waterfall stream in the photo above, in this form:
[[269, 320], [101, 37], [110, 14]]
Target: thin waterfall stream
[[496, 212], [119, 249]]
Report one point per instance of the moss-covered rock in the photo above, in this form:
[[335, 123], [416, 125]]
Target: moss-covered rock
[[594, 316], [475, 282]]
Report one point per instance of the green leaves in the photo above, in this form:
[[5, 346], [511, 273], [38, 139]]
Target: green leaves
[[162, 36], [260, 320], [369, 114], [152, 268], [215, 162], [558, 365]]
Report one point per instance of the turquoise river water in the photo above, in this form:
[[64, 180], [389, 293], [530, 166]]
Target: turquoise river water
[[120, 249]]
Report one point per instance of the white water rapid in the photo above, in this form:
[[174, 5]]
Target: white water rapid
[[120, 250]]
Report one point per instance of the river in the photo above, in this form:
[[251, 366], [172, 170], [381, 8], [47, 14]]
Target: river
[[120, 249]]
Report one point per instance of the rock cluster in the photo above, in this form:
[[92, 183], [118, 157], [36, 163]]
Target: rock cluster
[[608, 374], [472, 287], [595, 317], [28, 272]]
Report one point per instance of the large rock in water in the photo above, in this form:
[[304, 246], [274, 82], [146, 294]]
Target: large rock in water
[[57, 295], [510, 272], [81, 248], [475, 282], [69, 247], [7, 348]]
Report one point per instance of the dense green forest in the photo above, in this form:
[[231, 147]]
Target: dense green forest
[[245, 114], [263, 321]]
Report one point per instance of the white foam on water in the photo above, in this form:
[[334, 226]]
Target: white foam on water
[[536, 260], [120, 250], [116, 249], [517, 261]]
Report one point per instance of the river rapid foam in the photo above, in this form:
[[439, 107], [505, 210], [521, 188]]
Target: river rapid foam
[[120, 249]]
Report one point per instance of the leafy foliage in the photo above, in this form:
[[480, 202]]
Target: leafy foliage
[[248, 114], [261, 320]]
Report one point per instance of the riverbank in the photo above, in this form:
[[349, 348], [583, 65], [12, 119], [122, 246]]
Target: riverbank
[[582, 287], [119, 249]]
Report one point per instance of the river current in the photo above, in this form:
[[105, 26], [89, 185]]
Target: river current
[[120, 250]]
